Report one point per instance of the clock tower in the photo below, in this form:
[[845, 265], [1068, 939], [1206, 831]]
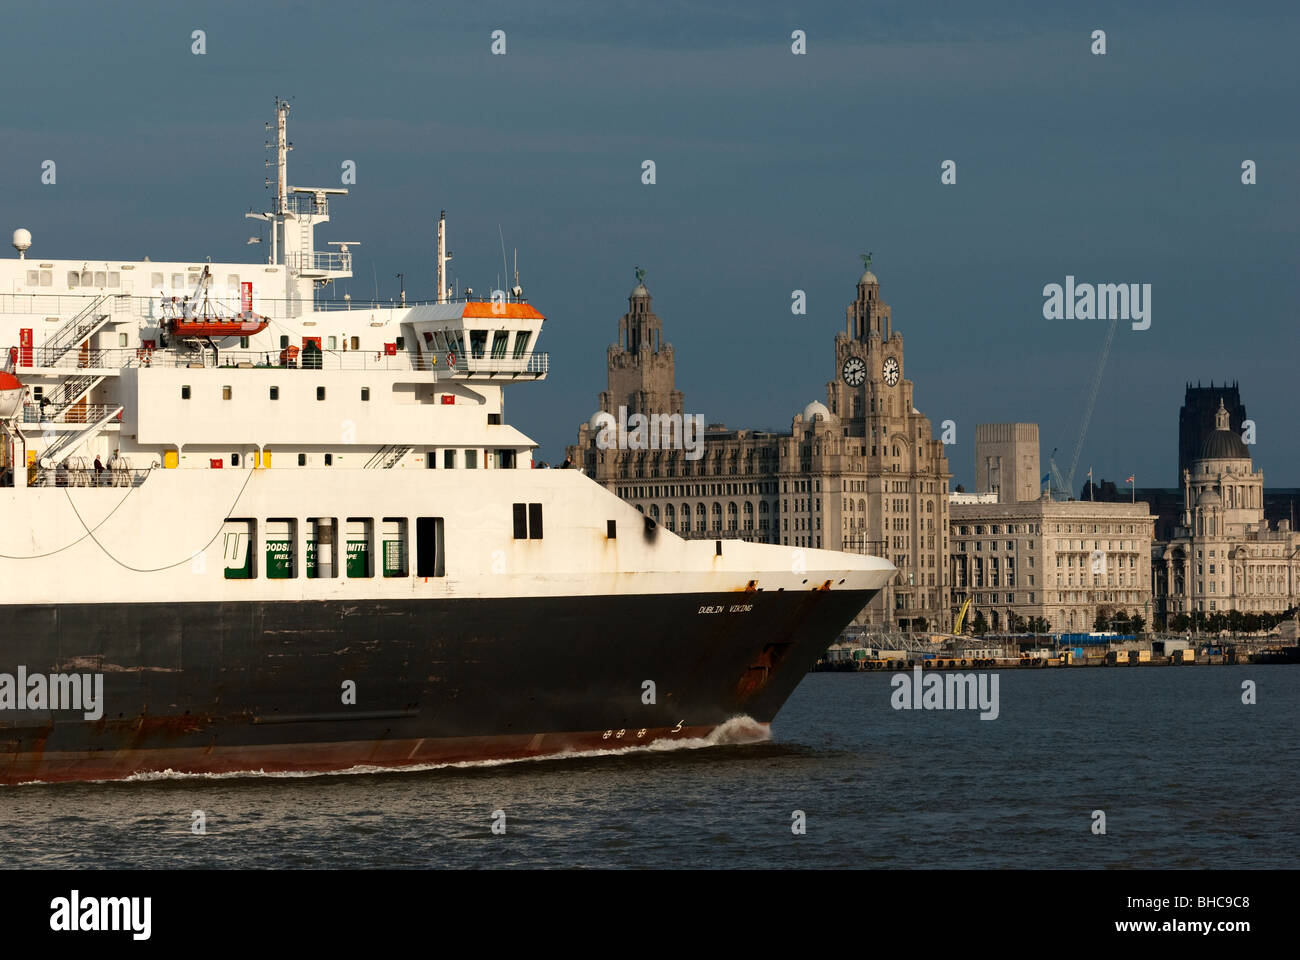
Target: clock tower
[[894, 474]]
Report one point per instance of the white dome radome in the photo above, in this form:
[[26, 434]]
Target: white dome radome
[[22, 240], [816, 410]]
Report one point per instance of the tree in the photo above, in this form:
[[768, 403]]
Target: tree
[[1138, 623], [1179, 623], [1102, 622]]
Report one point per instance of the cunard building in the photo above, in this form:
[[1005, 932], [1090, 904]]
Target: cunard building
[[861, 472]]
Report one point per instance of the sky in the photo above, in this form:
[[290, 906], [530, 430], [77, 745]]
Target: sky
[[774, 172]]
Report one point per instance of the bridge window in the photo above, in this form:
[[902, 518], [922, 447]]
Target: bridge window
[[477, 343], [521, 343], [499, 341]]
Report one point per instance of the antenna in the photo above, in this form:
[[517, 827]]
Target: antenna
[[503, 255], [517, 290]]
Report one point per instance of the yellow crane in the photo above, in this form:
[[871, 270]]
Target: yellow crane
[[961, 614]]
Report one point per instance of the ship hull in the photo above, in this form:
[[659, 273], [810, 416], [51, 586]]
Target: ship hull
[[319, 686]]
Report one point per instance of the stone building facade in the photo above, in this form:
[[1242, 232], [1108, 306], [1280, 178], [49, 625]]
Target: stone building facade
[[861, 472], [1061, 561], [1224, 555]]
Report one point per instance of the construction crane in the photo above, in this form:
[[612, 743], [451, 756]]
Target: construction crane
[[1068, 483]]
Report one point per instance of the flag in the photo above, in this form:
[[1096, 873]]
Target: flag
[[1130, 478]]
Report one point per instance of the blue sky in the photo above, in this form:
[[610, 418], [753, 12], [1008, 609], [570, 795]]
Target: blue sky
[[774, 172]]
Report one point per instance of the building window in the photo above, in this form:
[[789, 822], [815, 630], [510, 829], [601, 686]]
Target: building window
[[365, 394], [471, 459], [185, 392], [302, 459], [449, 459], [329, 459], [234, 459], [320, 393], [275, 393]]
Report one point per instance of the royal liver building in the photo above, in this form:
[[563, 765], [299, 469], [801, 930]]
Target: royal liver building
[[861, 472]]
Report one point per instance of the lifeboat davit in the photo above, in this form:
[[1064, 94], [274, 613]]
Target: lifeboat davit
[[214, 327], [11, 396]]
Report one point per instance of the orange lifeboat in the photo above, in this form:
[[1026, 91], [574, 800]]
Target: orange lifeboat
[[214, 327], [11, 395]]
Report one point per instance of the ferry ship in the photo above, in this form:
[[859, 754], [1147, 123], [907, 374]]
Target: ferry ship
[[244, 527]]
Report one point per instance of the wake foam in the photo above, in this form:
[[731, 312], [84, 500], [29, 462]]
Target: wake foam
[[736, 731]]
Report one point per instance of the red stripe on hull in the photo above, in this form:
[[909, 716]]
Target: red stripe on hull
[[317, 758]]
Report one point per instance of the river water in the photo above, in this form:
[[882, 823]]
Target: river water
[[1186, 774]]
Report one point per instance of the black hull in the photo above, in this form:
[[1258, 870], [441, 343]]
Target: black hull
[[217, 687]]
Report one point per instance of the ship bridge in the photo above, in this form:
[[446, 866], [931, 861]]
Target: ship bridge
[[490, 339]]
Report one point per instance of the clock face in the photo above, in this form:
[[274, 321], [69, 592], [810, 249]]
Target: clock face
[[855, 371], [890, 371]]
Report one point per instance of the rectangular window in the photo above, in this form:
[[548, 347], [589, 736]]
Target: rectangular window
[[275, 393], [320, 393], [521, 343], [401, 343], [280, 536], [428, 547], [394, 546], [47, 278], [611, 529], [521, 521], [156, 281], [243, 343], [431, 460], [302, 459], [185, 392], [534, 521], [449, 459], [321, 538], [227, 392], [360, 533], [101, 278], [331, 343], [471, 459], [74, 279], [329, 459], [365, 394], [237, 547], [477, 343], [356, 343], [500, 340]]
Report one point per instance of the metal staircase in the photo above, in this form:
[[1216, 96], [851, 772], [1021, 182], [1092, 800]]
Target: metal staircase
[[69, 393], [65, 445], [387, 457], [76, 331]]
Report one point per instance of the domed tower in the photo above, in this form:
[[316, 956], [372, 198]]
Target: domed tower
[[1223, 494], [641, 366]]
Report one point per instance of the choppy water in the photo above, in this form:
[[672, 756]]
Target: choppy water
[[1187, 775]]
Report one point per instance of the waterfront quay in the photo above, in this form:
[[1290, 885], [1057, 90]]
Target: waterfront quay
[[940, 652]]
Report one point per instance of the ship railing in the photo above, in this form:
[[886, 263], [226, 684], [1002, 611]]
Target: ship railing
[[80, 358], [62, 476], [533, 364], [329, 260], [77, 413], [306, 203]]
